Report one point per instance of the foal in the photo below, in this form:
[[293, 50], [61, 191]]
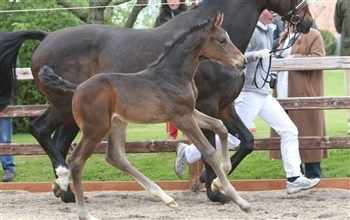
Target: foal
[[165, 91]]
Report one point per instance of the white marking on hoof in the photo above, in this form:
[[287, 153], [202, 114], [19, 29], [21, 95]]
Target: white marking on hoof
[[216, 184], [173, 204], [63, 177], [57, 191]]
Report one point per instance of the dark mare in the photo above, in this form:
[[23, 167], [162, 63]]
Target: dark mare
[[89, 49], [148, 97]]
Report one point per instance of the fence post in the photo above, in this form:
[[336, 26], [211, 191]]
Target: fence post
[[194, 172]]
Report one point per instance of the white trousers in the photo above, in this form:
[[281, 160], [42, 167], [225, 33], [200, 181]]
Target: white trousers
[[192, 154], [250, 104]]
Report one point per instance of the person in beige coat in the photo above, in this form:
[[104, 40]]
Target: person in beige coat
[[303, 84]]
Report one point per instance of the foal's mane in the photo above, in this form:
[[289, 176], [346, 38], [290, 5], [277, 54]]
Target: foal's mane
[[179, 38]]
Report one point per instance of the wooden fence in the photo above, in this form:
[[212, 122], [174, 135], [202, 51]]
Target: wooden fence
[[325, 142]]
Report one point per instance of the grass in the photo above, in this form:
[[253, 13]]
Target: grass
[[159, 166]]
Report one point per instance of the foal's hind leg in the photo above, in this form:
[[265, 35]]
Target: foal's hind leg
[[116, 157], [191, 129], [92, 136]]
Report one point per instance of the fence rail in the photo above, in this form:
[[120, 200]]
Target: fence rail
[[296, 103], [341, 102], [312, 142]]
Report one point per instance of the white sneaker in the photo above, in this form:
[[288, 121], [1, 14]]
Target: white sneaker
[[180, 162], [301, 183]]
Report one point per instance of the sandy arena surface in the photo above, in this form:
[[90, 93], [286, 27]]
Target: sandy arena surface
[[311, 204]]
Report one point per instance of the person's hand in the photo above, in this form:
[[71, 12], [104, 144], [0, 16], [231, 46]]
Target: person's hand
[[263, 54]]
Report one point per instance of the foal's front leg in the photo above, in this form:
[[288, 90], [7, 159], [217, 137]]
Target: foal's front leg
[[116, 157], [217, 126], [189, 126]]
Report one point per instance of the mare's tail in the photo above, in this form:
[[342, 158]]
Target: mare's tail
[[51, 81], [10, 42]]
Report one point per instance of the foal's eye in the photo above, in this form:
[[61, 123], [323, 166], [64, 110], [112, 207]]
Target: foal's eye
[[222, 41]]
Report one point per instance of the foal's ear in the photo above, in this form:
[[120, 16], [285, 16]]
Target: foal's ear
[[217, 20]]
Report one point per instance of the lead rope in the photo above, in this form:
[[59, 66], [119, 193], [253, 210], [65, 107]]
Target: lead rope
[[261, 66]]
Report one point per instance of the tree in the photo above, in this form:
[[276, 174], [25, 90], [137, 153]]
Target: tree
[[48, 16], [98, 12], [22, 16]]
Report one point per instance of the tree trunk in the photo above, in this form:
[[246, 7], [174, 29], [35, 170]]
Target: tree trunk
[[97, 11], [81, 13], [140, 4]]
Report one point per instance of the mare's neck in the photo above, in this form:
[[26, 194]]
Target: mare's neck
[[239, 27]]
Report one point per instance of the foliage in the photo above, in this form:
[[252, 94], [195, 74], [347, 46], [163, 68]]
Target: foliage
[[329, 41], [28, 92], [41, 20], [119, 15], [24, 15], [145, 19]]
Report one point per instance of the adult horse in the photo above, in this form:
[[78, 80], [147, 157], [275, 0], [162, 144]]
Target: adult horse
[[89, 49], [147, 97]]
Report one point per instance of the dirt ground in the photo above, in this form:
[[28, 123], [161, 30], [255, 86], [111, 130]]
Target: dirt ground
[[311, 204]]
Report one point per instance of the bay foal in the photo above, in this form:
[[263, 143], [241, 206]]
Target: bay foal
[[165, 91]]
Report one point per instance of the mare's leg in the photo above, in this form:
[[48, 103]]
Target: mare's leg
[[42, 128], [235, 125], [189, 126], [63, 138], [210, 107], [116, 157]]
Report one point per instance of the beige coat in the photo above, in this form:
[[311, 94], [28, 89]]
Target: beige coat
[[306, 84]]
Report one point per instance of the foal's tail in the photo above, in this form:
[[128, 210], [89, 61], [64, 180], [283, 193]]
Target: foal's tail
[[51, 81], [10, 42]]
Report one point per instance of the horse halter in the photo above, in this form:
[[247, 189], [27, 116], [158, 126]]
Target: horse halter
[[295, 18]]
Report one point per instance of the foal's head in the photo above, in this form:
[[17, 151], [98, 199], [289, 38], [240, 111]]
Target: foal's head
[[219, 47], [215, 43]]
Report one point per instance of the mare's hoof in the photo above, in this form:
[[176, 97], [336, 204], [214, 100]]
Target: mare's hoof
[[217, 196], [68, 197], [173, 204], [57, 191]]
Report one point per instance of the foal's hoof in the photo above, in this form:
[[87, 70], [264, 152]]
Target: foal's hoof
[[215, 185], [173, 204], [246, 208], [68, 197], [57, 190]]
